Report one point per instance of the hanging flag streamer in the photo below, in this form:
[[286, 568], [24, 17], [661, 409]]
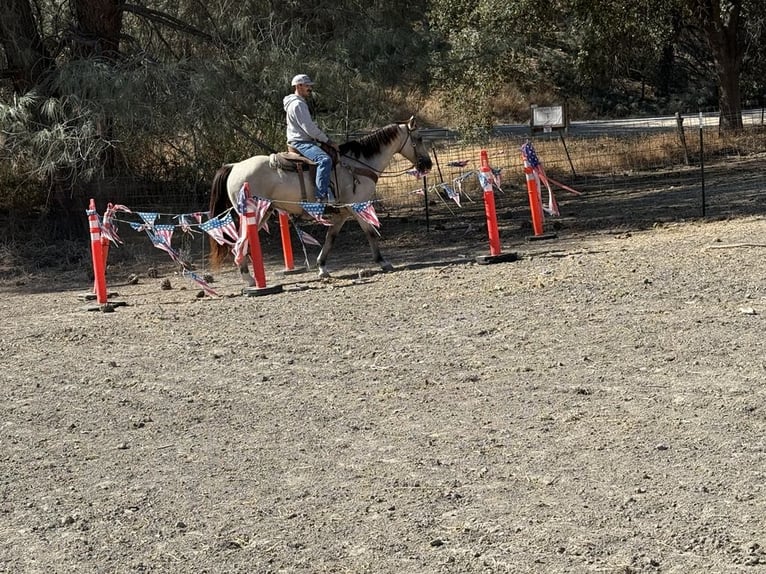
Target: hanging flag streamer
[[221, 229], [307, 238], [185, 221], [260, 206], [458, 163], [485, 180], [452, 194], [161, 238], [242, 197], [366, 212], [497, 178], [529, 155], [242, 245], [316, 210], [108, 227]]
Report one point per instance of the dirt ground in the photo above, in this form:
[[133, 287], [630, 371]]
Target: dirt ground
[[595, 406]]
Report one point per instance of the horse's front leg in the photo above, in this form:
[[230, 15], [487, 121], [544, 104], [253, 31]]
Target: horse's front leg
[[329, 241], [244, 272], [372, 237]]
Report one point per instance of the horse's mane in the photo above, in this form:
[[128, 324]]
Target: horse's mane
[[369, 145]]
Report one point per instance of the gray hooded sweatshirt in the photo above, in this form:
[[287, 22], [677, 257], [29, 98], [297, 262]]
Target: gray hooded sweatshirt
[[300, 125]]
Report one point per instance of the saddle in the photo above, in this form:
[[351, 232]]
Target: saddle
[[292, 160]]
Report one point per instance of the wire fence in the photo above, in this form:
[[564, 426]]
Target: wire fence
[[683, 162], [605, 160]]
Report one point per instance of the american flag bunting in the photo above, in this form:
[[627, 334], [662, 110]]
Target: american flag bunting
[[316, 210], [366, 212]]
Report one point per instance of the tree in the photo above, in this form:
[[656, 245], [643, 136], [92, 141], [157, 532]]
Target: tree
[[723, 24]]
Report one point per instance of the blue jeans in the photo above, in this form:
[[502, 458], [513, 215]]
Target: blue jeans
[[324, 166]]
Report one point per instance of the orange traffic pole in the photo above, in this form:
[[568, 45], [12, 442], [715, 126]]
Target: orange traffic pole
[[287, 246], [254, 242], [97, 254], [105, 257], [535, 200], [489, 205]]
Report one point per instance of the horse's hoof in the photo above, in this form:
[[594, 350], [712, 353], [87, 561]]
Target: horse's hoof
[[324, 274], [387, 267]]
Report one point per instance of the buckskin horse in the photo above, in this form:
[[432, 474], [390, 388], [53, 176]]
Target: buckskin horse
[[355, 176]]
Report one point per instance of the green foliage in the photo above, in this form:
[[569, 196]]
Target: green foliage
[[198, 83]]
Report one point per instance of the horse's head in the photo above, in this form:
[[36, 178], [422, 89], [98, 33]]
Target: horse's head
[[414, 149]]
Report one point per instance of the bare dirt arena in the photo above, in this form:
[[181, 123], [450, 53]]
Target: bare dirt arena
[[596, 406]]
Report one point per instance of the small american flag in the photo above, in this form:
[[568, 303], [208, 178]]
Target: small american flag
[[161, 238], [148, 217], [366, 212], [306, 238], [260, 206], [242, 197], [316, 210], [529, 155], [218, 228], [452, 193], [485, 181]]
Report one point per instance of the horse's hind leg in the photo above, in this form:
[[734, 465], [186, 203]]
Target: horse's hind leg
[[372, 238], [329, 241]]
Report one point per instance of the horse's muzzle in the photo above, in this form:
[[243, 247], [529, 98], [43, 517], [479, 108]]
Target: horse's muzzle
[[424, 164]]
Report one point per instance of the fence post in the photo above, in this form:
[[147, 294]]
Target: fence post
[[702, 167]]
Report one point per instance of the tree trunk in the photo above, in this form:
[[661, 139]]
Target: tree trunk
[[98, 23], [28, 60], [723, 29]]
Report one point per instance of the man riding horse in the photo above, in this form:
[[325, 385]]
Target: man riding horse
[[305, 136]]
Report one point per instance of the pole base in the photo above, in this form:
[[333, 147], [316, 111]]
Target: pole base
[[293, 271], [259, 291], [501, 258], [107, 307], [543, 237], [90, 296]]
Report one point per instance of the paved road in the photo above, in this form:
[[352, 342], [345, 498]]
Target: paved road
[[613, 127]]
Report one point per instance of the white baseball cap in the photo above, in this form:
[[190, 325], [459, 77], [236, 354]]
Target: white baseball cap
[[302, 79]]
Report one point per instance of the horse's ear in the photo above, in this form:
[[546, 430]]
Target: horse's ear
[[411, 125]]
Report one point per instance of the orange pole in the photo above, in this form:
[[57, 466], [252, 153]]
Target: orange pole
[[97, 254], [287, 246], [105, 253], [489, 205], [254, 242], [535, 201]]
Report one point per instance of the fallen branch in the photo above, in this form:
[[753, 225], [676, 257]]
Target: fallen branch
[[733, 245]]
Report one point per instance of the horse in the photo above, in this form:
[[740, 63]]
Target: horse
[[355, 175]]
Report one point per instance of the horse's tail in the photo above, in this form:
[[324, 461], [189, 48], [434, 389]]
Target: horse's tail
[[218, 204]]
